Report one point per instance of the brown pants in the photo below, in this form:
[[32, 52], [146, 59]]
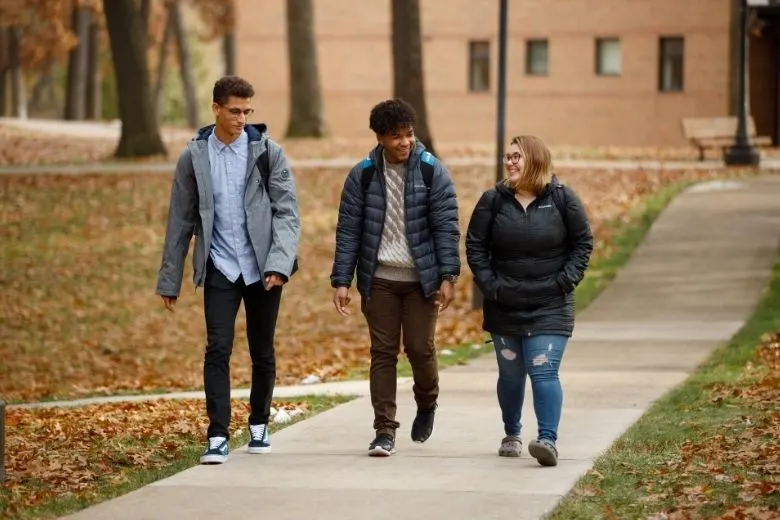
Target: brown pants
[[394, 307]]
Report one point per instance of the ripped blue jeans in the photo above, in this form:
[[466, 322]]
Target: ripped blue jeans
[[540, 358]]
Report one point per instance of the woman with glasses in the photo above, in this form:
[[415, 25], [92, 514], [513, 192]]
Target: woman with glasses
[[528, 244]]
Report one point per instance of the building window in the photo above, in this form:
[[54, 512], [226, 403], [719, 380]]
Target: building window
[[479, 66], [536, 57], [670, 64], [608, 57]]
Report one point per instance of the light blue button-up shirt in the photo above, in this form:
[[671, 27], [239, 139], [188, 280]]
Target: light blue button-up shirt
[[231, 250]]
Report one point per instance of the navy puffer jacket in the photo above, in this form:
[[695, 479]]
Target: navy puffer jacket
[[431, 224]]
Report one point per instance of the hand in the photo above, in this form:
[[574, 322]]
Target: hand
[[273, 280], [446, 294], [341, 299], [170, 302]]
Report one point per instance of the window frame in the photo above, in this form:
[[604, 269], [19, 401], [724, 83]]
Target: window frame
[[598, 65], [665, 56], [477, 56], [531, 43]]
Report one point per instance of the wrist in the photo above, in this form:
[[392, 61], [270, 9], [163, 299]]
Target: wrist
[[452, 278]]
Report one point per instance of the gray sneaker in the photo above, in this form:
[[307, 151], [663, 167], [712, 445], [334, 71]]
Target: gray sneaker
[[511, 446], [544, 451]]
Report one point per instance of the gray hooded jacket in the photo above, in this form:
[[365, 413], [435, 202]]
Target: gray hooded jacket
[[273, 222]]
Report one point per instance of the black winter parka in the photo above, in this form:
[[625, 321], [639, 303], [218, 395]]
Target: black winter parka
[[527, 262]]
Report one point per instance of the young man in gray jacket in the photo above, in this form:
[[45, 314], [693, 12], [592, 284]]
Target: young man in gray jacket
[[233, 189], [398, 228]]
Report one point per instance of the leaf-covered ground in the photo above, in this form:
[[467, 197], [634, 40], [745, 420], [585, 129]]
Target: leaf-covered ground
[[80, 259], [709, 449], [24, 147], [61, 459]]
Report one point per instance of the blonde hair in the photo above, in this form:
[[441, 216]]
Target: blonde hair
[[537, 169]]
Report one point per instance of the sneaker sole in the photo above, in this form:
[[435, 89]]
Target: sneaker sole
[[509, 453], [380, 452], [213, 459], [258, 451], [543, 455]]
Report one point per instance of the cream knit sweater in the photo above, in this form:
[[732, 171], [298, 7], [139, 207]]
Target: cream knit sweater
[[395, 258]]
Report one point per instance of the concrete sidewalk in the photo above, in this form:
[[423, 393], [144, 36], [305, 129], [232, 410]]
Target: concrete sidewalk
[[686, 290]]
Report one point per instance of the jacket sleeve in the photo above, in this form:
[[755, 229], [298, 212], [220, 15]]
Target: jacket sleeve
[[443, 220], [478, 245], [286, 221], [349, 230], [579, 242], [182, 219]]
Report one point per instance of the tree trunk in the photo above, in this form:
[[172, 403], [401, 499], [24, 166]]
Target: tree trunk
[[146, 14], [5, 65], [408, 64], [76, 91], [162, 58], [94, 97], [229, 52], [43, 100], [185, 64], [18, 94], [306, 114], [140, 132]]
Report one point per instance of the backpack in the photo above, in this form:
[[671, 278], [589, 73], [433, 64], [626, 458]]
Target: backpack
[[427, 160], [264, 166]]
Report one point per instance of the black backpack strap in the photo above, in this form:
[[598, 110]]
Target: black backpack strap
[[495, 205], [367, 173], [559, 198], [427, 162], [264, 166]]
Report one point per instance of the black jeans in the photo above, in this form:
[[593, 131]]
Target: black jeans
[[221, 300]]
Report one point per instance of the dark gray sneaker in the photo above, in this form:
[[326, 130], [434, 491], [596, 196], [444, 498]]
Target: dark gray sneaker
[[544, 451], [511, 446], [383, 446], [422, 427], [216, 451]]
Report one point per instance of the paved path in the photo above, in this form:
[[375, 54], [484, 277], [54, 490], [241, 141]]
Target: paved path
[[686, 290], [357, 388]]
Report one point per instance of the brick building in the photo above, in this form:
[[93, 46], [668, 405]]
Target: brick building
[[596, 72]]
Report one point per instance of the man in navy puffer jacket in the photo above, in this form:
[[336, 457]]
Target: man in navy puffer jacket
[[398, 227]]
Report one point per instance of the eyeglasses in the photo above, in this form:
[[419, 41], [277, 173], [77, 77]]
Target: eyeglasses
[[513, 158], [237, 111]]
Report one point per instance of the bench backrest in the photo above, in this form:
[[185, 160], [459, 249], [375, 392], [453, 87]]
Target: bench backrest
[[714, 127]]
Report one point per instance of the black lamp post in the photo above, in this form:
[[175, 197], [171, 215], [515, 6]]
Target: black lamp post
[[742, 153], [476, 299], [501, 112]]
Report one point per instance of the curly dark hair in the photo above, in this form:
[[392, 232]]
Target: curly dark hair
[[391, 115], [234, 86]]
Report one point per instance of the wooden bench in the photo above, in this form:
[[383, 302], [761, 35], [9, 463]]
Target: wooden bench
[[718, 132]]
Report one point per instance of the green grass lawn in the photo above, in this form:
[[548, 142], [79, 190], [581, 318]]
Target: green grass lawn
[[708, 447]]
